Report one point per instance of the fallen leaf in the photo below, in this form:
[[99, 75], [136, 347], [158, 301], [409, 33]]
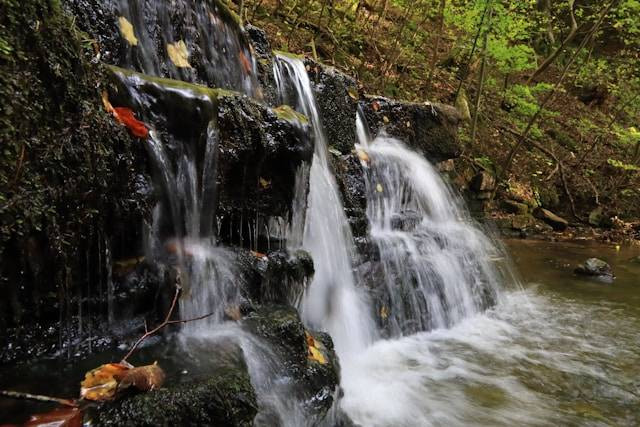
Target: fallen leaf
[[142, 378], [385, 119], [314, 347], [125, 116], [362, 155], [106, 103], [379, 188], [315, 354], [100, 383], [246, 64], [264, 183], [126, 29], [178, 54], [63, 416], [353, 92], [384, 312], [258, 254], [408, 124], [375, 105]]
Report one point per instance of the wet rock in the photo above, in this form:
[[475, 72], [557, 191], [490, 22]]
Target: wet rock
[[558, 223], [595, 267], [336, 96], [227, 398], [598, 218], [428, 127], [351, 183], [514, 207], [278, 277], [315, 382], [258, 148]]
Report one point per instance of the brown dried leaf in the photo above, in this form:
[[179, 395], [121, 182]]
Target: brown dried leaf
[[143, 378], [100, 383], [375, 105], [264, 183]]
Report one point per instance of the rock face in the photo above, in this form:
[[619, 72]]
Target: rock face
[[558, 223], [429, 127], [514, 207], [336, 96], [597, 268]]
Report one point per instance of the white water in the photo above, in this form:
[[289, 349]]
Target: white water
[[332, 302], [438, 266]]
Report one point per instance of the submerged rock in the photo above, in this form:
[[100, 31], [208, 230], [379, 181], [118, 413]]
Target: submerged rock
[[558, 223], [597, 268], [428, 127]]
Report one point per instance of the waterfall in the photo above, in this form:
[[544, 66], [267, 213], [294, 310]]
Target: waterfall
[[332, 302], [437, 266]]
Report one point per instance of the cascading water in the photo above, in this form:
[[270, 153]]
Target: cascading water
[[332, 302], [438, 267], [202, 35]]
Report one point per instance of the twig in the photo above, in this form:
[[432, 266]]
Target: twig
[[39, 397], [166, 322]]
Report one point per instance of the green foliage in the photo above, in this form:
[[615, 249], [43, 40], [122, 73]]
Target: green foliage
[[623, 166]]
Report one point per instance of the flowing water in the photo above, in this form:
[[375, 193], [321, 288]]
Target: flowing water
[[332, 302]]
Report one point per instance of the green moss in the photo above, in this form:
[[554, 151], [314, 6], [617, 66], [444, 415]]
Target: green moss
[[194, 89], [285, 112], [287, 54]]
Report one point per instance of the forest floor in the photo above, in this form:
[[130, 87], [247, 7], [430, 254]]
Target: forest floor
[[566, 163]]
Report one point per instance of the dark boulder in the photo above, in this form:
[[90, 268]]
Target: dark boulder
[[597, 268], [427, 127]]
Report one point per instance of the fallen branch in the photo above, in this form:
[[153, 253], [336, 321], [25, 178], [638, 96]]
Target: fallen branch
[[38, 397]]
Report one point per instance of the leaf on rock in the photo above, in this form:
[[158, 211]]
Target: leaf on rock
[[142, 378], [362, 155], [353, 92], [315, 348], [375, 105], [385, 119], [63, 416], [126, 117], [264, 183], [178, 54], [379, 188], [126, 29], [384, 312], [106, 103], [100, 383]]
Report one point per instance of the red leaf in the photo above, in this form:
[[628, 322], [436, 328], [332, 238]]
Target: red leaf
[[246, 65], [59, 417], [125, 116]]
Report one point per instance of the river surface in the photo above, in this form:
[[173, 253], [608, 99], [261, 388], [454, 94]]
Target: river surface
[[561, 350]]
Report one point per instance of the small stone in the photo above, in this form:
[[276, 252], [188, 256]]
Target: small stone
[[596, 267]]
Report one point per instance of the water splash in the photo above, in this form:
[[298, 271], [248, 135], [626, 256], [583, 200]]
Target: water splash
[[332, 302]]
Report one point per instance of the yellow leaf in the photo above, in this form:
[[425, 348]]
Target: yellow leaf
[[264, 183], [362, 155], [315, 354], [178, 54], [353, 93], [106, 103], [384, 312], [379, 188], [126, 29], [385, 119]]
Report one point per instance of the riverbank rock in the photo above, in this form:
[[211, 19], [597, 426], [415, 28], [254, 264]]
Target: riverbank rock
[[558, 223], [514, 207], [595, 267], [430, 128]]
